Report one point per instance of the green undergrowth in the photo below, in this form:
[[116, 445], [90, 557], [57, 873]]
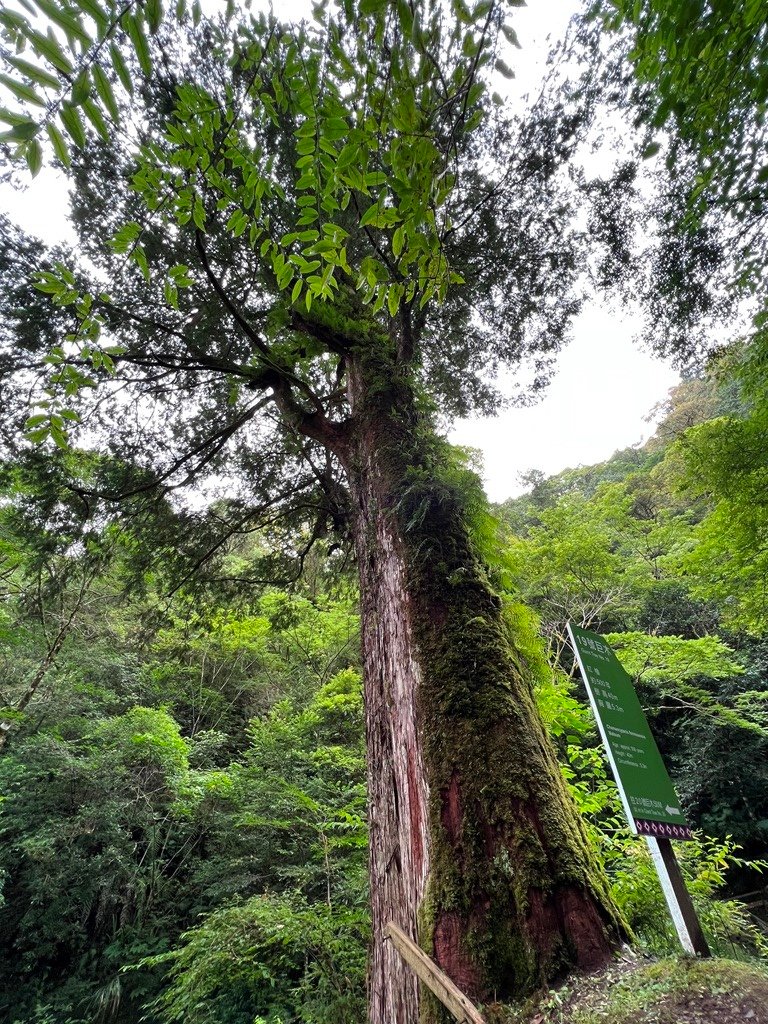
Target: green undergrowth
[[673, 990]]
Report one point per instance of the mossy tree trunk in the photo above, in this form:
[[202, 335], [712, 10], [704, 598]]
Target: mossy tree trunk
[[476, 848]]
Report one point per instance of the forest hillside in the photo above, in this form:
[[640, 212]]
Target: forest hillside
[[276, 678], [184, 816]]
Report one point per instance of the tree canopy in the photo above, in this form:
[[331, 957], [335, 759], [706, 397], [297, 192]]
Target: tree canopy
[[186, 788], [300, 245], [692, 76], [262, 191]]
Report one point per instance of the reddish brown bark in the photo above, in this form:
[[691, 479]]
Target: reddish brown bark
[[475, 849], [397, 784]]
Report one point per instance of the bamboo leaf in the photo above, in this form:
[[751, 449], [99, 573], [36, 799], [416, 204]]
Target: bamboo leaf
[[153, 11], [34, 156], [14, 21], [65, 19], [99, 16], [94, 115], [81, 90]]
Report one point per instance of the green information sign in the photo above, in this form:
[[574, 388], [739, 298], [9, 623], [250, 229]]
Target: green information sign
[[649, 798]]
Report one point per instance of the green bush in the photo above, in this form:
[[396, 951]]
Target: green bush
[[278, 958]]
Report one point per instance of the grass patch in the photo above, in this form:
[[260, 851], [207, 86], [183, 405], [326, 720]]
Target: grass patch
[[675, 990]]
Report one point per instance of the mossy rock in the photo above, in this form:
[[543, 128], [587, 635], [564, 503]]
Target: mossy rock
[[675, 990]]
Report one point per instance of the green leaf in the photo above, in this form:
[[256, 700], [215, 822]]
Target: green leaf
[[71, 120], [36, 421], [39, 434], [22, 131], [22, 91], [37, 74], [398, 240], [651, 150], [370, 215], [405, 14], [48, 46], [171, 293], [120, 67], [153, 11], [59, 436], [15, 117], [14, 21], [60, 147], [307, 129], [125, 237], [198, 213], [104, 89], [94, 115], [335, 128], [140, 259], [503, 68], [511, 36], [81, 90], [135, 29], [64, 18], [34, 156], [99, 16]]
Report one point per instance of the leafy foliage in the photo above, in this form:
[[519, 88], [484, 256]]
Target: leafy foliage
[[273, 957], [196, 866], [269, 203], [133, 800], [692, 77], [661, 552]]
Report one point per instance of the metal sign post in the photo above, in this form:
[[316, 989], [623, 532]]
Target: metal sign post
[[646, 790], [678, 898]]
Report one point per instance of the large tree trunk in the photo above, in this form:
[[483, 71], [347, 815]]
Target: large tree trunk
[[476, 849]]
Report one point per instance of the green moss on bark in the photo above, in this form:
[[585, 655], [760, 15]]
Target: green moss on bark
[[514, 893]]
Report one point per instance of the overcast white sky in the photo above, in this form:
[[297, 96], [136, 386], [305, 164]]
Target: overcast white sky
[[604, 387]]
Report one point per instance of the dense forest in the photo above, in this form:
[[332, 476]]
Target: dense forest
[[276, 677], [184, 824]]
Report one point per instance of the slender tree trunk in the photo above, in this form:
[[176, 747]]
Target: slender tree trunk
[[476, 849], [32, 687]]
